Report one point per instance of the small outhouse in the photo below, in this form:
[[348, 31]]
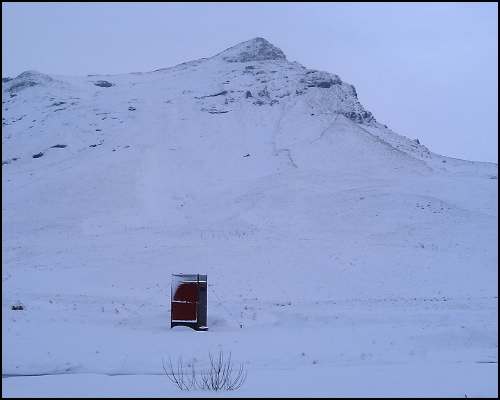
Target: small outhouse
[[189, 301]]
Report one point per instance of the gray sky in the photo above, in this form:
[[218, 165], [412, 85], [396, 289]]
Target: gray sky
[[427, 70]]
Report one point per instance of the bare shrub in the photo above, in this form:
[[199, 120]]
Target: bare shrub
[[221, 374], [183, 379]]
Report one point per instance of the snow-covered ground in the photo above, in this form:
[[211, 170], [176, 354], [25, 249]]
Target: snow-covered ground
[[342, 259]]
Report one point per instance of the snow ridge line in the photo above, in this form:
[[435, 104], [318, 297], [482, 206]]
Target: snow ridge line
[[6, 376], [325, 130], [277, 150]]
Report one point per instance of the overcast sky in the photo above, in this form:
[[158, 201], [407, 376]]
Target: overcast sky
[[427, 70]]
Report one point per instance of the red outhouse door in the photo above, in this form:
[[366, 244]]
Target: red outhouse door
[[189, 301], [184, 302]]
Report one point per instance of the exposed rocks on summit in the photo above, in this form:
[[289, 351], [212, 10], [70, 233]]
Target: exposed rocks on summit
[[257, 49]]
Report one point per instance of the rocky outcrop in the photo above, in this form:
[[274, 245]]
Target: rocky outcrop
[[103, 84], [257, 49], [321, 79], [25, 80]]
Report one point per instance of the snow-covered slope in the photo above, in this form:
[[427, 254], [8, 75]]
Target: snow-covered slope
[[312, 220]]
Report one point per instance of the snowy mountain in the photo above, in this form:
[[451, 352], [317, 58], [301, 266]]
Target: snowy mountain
[[312, 220]]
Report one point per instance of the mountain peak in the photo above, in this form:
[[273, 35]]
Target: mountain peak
[[256, 49]]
